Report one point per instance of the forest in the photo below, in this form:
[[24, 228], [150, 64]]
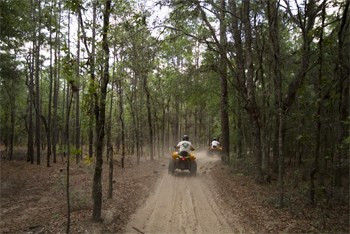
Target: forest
[[86, 81]]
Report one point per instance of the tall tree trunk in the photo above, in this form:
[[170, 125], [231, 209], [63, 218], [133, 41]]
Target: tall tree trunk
[[132, 101], [109, 143], [239, 70], [239, 133], [253, 108], [77, 101], [65, 94], [67, 146], [37, 87], [163, 127], [149, 116], [91, 55], [342, 72], [315, 166], [92, 74], [121, 118], [30, 145], [176, 123], [225, 133], [48, 133], [56, 86], [272, 12], [100, 119]]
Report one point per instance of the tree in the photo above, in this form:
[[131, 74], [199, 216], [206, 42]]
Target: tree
[[36, 45], [274, 33], [100, 118], [225, 135], [56, 82], [77, 99], [342, 72], [9, 74]]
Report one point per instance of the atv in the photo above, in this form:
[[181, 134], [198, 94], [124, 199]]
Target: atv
[[214, 150], [183, 161]]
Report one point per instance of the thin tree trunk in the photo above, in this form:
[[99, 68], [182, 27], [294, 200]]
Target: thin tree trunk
[[48, 133], [109, 145], [239, 133], [77, 101], [272, 12], [121, 118], [149, 116], [65, 99], [31, 103], [253, 108], [315, 167], [56, 87], [68, 162], [30, 148], [37, 88], [100, 119], [342, 72], [93, 104], [225, 133]]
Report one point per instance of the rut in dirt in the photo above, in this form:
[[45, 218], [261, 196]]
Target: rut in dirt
[[182, 204]]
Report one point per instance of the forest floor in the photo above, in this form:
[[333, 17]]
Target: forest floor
[[33, 200]]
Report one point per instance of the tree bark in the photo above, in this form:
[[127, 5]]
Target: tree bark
[[56, 87], [225, 130], [93, 104], [49, 118], [149, 115], [109, 145], [30, 145], [121, 118], [315, 167], [273, 19], [252, 105], [37, 88], [342, 72], [100, 119], [77, 100], [68, 162]]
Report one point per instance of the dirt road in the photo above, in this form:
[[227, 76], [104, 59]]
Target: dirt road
[[182, 204]]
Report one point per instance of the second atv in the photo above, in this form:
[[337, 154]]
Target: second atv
[[214, 151]]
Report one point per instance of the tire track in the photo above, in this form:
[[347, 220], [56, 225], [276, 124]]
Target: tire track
[[181, 204]]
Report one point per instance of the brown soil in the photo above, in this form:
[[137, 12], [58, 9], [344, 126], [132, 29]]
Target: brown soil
[[33, 197], [182, 203], [33, 200]]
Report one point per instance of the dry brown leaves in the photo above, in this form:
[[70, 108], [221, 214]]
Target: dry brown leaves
[[255, 207], [33, 197]]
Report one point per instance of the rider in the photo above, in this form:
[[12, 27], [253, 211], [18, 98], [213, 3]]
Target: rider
[[215, 143], [184, 146]]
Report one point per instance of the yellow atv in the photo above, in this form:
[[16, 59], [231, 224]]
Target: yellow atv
[[183, 161], [214, 150]]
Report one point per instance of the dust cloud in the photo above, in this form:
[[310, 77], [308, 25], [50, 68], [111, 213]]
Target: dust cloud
[[182, 204]]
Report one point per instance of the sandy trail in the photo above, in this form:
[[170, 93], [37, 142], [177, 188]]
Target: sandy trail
[[182, 204]]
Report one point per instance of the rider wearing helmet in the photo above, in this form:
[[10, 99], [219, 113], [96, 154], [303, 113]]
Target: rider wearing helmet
[[184, 146], [215, 143]]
